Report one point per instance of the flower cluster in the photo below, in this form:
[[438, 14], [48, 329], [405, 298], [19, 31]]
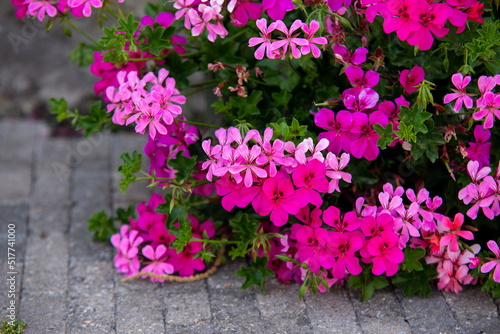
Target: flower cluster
[[40, 8], [147, 241], [249, 173], [134, 102], [333, 245], [418, 21], [278, 48], [108, 71]]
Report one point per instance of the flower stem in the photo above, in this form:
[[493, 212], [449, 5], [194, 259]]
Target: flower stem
[[84, 34], [200, 124], [145, 59]]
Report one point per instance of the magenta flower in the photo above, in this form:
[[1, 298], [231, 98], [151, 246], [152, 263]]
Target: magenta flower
[[310, 218], [345, 57], [311, 40], [360, 80], [158, 265], [311, 180], [480, 150], [343, 247], [460, 95], [350, 222], [372, 227], [87, 5], [485, 85], [234, 193], [339, 138], [366, 99], [290, 40], [276, 9], [386, 253], [311, 247], [488, 109], [184, 262], [451, 238], [335, 5], [279, 200], [488, 266], [411, 80], [431, 18], [241, 10], [264, 39], [366, 145], [400, 17]]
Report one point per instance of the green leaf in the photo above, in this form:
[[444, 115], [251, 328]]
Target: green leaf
[[158, 39], [130, 166], [256, 274], [102, 226], [60, 108], [427, 143], [182, 165], [412, 257], [128, 25], [386, 135], [416, 117], [183, 234], [282, 98], [83, 54], [368, 282], [246, 107], [406, 132], [416, 281], [95, 121], [244, 230]]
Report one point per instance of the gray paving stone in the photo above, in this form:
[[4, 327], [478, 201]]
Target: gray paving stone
[[381, 314], [138, 311], [91, 304], [235, 310], [187, 308], [44, 312], [428, 315], [475, 311], [281, 308], [46, 264], [332, 312], [15, 184]]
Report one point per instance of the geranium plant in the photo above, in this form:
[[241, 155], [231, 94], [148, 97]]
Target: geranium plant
[[358, 142]]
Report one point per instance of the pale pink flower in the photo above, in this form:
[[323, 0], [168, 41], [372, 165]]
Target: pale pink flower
[[459, 94]]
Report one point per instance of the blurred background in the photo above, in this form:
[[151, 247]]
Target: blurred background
[[35, 67]]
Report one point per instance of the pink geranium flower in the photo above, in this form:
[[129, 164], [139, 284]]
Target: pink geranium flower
[[494, 263], [343, 247], [366, 145], [459, 94], [480, 150], [451, 238], [311, 247], [241, 10], [386, 253], [311, 40], [400, 18], [279, 200], [264, 39], [343, 55], [290, 40], [310, 180], [339, 136], [158, 266], [360, 80], [411, 80], [87, 5], [431, 18], [276, 9], [488, 109]]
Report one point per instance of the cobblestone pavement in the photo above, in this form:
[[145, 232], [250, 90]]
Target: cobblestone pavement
[[65, 283]]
